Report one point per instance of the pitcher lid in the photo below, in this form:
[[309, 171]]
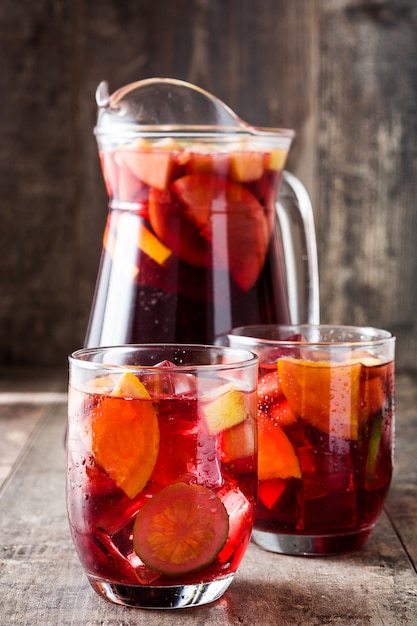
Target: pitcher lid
[[157, 106]]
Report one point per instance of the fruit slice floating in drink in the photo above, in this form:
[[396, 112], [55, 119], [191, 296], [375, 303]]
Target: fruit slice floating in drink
[[125, 435], [323, 394], [276, 454], [212, 202], [191, 242], [226, 410], [162, 474], [324, 444], [181, 529], [188, 212]]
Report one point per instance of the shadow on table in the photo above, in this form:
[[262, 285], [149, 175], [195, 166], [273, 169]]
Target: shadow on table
[[285, 603]]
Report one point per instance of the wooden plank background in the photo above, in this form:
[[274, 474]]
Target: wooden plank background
[[342, 73]]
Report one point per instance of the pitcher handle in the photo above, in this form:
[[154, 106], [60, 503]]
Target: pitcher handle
[[296, 221]]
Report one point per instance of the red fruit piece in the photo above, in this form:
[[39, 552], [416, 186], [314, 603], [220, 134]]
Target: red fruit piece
[[176, 231], [207, 201], [268, 389], [151, 167], [181, 529], [206, 163], [238, 442], [276, 455], [131, 189], [270, 491], [110, 173], [281, 413]]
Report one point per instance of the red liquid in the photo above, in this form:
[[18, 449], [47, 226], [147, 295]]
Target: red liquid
[[102, 515], [337, 484], [191, 247]]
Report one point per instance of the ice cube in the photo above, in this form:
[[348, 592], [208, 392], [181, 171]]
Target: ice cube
[[171, 383], [208, 460], [119, 550], [329, 495], [240, 511]]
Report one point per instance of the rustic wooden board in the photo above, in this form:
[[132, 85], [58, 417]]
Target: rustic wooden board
[[402, 499], [41, 581], [24, 402], [36, 182], [367, 144]]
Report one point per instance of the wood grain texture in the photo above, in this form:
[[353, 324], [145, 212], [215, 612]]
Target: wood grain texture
[[342, 73], [367, 141], [42, 582]]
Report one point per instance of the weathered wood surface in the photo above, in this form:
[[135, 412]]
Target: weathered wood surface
[[342, 74], [41, 581], [24, 401]]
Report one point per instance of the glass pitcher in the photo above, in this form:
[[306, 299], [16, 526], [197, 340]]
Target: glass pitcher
[[198, 239]]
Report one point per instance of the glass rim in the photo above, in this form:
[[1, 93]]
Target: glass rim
[[221, 134], [372, 336], [244, 358]]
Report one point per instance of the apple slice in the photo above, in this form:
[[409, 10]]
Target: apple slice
[[238, 442], [203, 162], [246, 166], [276, 159], [151, 167], [225, 411]]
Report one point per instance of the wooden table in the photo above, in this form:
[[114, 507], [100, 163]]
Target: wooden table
[[41, 581]]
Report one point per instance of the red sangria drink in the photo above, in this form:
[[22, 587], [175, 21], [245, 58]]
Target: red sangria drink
[[326, 424], [205, 231], [191, 247], [162, 460]]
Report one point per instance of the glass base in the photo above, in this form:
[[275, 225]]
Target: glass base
[[311, 545], [153, 597]]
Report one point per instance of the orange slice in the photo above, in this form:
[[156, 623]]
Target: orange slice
[[175, 230], [375, 383], [208, 200], [129, 386], [324, 394], [276, 455], [150, 245], [125, 435], [181, 529]]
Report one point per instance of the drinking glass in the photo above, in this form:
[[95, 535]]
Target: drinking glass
[[161, 460], [326, 424]]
